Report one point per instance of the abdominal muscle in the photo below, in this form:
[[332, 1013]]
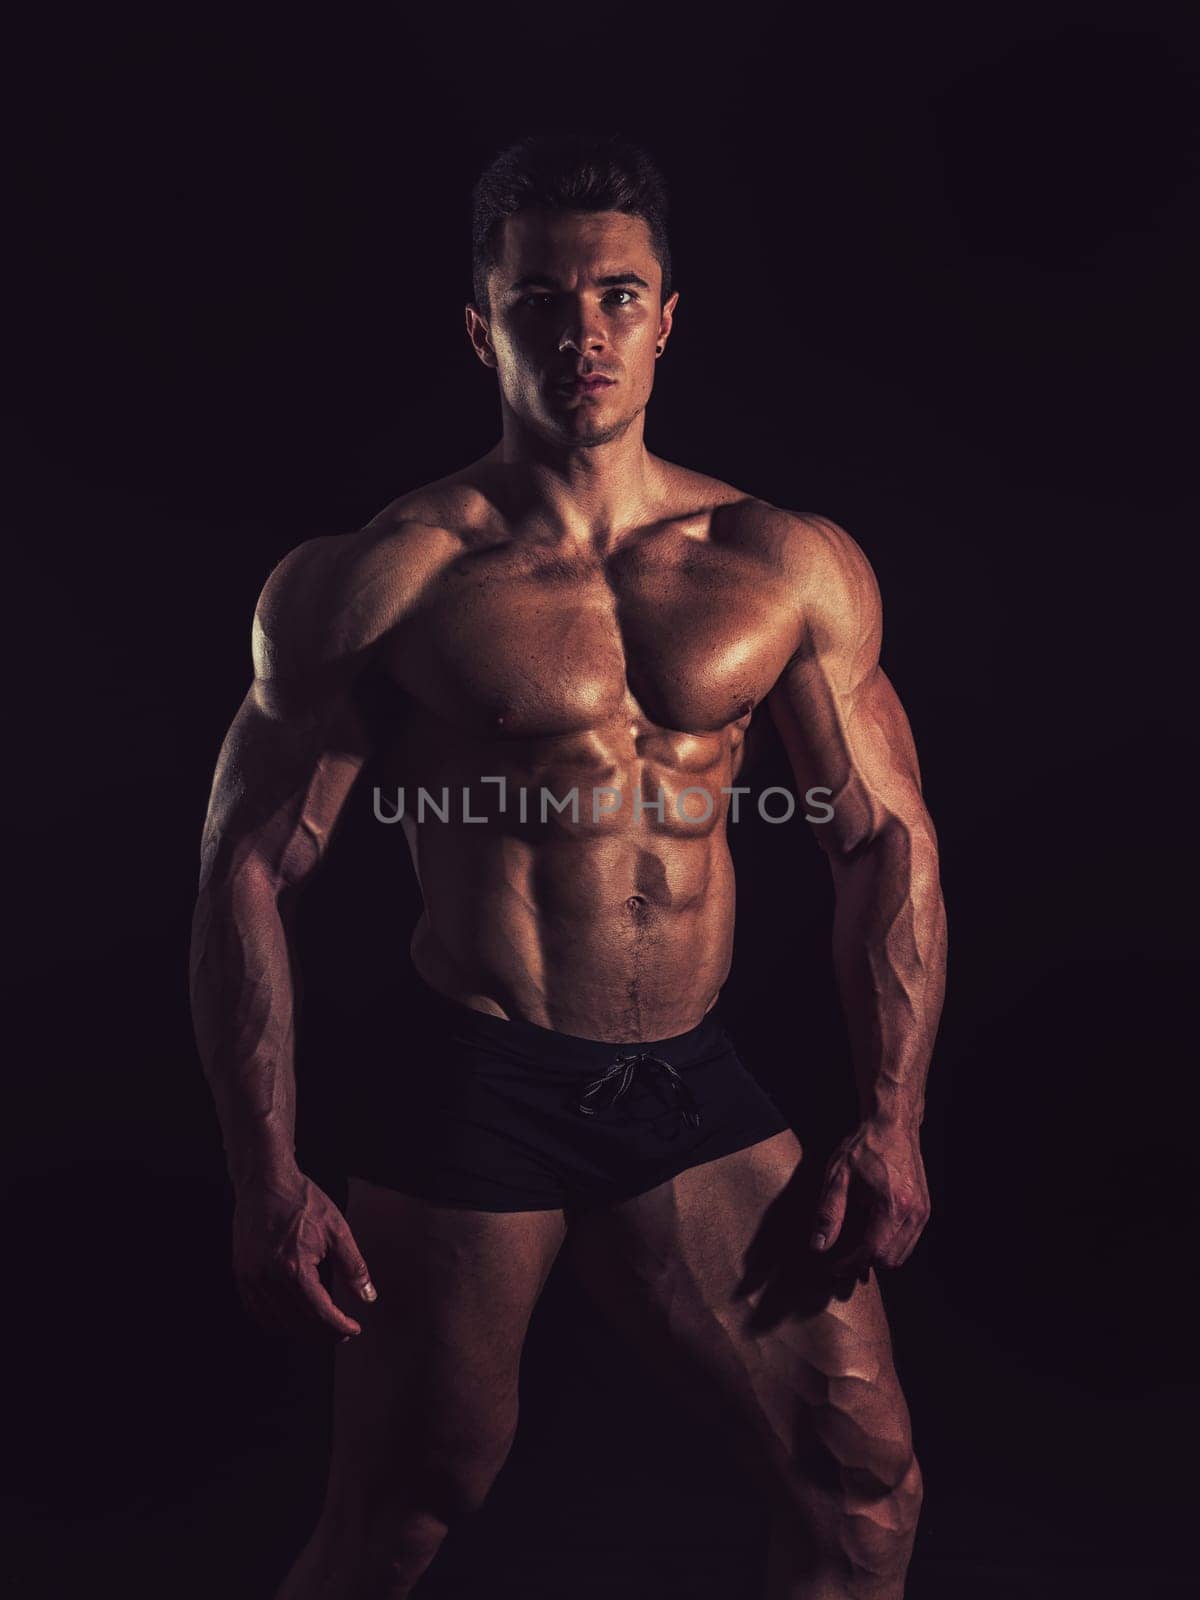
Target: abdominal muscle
[[623, 935]]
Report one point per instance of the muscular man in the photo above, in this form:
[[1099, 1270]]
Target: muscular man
[[571, 613]]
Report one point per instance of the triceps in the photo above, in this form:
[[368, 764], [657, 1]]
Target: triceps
[[279, 788], [855, 749]]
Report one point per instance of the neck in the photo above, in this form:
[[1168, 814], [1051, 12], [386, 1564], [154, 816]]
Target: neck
[[591, 494]]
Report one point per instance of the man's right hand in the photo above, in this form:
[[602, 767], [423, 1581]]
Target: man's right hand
[[282, 1230]]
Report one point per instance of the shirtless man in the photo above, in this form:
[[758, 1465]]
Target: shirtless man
[[571, 612]]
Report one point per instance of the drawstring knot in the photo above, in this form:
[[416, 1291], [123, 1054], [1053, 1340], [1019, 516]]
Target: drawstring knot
[[619, 1078]]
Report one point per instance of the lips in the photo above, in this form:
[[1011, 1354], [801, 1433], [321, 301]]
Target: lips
[[588, 385]]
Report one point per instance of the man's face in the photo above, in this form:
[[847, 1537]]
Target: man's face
[[574, 295]]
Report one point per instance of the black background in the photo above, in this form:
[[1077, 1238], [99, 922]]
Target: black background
[[937, 282]]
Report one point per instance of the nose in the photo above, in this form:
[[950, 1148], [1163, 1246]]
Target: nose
[[582, 331]]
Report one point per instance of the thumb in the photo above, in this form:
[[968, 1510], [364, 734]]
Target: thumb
[[346, 1254], [831, 1211]]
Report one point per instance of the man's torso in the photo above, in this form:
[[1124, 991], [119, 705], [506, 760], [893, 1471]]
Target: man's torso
[[606, 693]]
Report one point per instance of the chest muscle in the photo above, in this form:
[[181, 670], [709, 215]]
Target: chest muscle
[[691, 646]]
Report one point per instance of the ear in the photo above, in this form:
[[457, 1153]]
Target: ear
[[666, 321], [480, 334]]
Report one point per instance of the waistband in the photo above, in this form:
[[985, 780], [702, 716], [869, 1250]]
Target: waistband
[[546, 1047]]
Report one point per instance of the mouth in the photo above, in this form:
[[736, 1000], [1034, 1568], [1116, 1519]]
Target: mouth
[[592, 385]]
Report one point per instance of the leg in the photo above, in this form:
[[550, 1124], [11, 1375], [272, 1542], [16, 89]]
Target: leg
[[425, 1398], [710, 1276]]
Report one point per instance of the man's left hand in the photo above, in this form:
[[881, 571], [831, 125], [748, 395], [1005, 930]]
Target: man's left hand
[[874, 1200]]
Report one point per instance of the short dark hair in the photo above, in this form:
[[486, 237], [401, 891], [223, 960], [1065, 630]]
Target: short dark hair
[[566, 172]]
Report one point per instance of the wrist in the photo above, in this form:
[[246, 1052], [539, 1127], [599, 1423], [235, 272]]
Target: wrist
[[892, 1115], [276, 1169]]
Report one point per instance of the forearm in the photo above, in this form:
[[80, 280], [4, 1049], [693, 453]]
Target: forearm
[[243, 1013], [889, 951]]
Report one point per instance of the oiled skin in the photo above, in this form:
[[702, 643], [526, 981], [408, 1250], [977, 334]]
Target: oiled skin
[[572, 610], [625, 676]]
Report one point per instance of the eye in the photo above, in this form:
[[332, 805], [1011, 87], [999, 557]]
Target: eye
[[539, 300]]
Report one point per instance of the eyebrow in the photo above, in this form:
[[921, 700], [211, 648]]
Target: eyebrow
[[611, 280]]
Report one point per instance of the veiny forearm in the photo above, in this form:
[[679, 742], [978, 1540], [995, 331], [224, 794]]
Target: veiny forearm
[[243, 1013], [889, 950]]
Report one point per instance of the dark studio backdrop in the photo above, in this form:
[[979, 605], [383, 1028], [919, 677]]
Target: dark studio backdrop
[[938, 283]]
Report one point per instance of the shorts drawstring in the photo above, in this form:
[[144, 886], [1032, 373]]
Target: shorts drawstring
[[625, 1068]]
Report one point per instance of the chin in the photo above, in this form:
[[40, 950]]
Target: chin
[[580, 427], [601, 434]]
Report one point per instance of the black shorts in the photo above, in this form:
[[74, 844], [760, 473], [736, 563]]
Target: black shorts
[[502, 1115]]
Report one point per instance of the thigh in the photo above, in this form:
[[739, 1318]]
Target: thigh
[[432, 1379], [710, 1276]]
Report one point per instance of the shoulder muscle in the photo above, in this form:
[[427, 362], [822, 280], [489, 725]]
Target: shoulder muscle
[[328, 604], [840, 614]]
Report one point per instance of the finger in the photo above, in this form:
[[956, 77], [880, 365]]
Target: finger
[[854, 1271], [349, 1259], [907, 1234], [831, 1210], [908, 1240], [875, 1238], [903, 1248], [312, 1301], [891, 1251]]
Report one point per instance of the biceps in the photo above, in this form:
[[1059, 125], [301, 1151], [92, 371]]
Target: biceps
[[281, 782], [858, 747]]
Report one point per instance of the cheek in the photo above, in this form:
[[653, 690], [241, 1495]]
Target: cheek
[[518, 368], [513, 351], [635, 347], [634, 335]]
